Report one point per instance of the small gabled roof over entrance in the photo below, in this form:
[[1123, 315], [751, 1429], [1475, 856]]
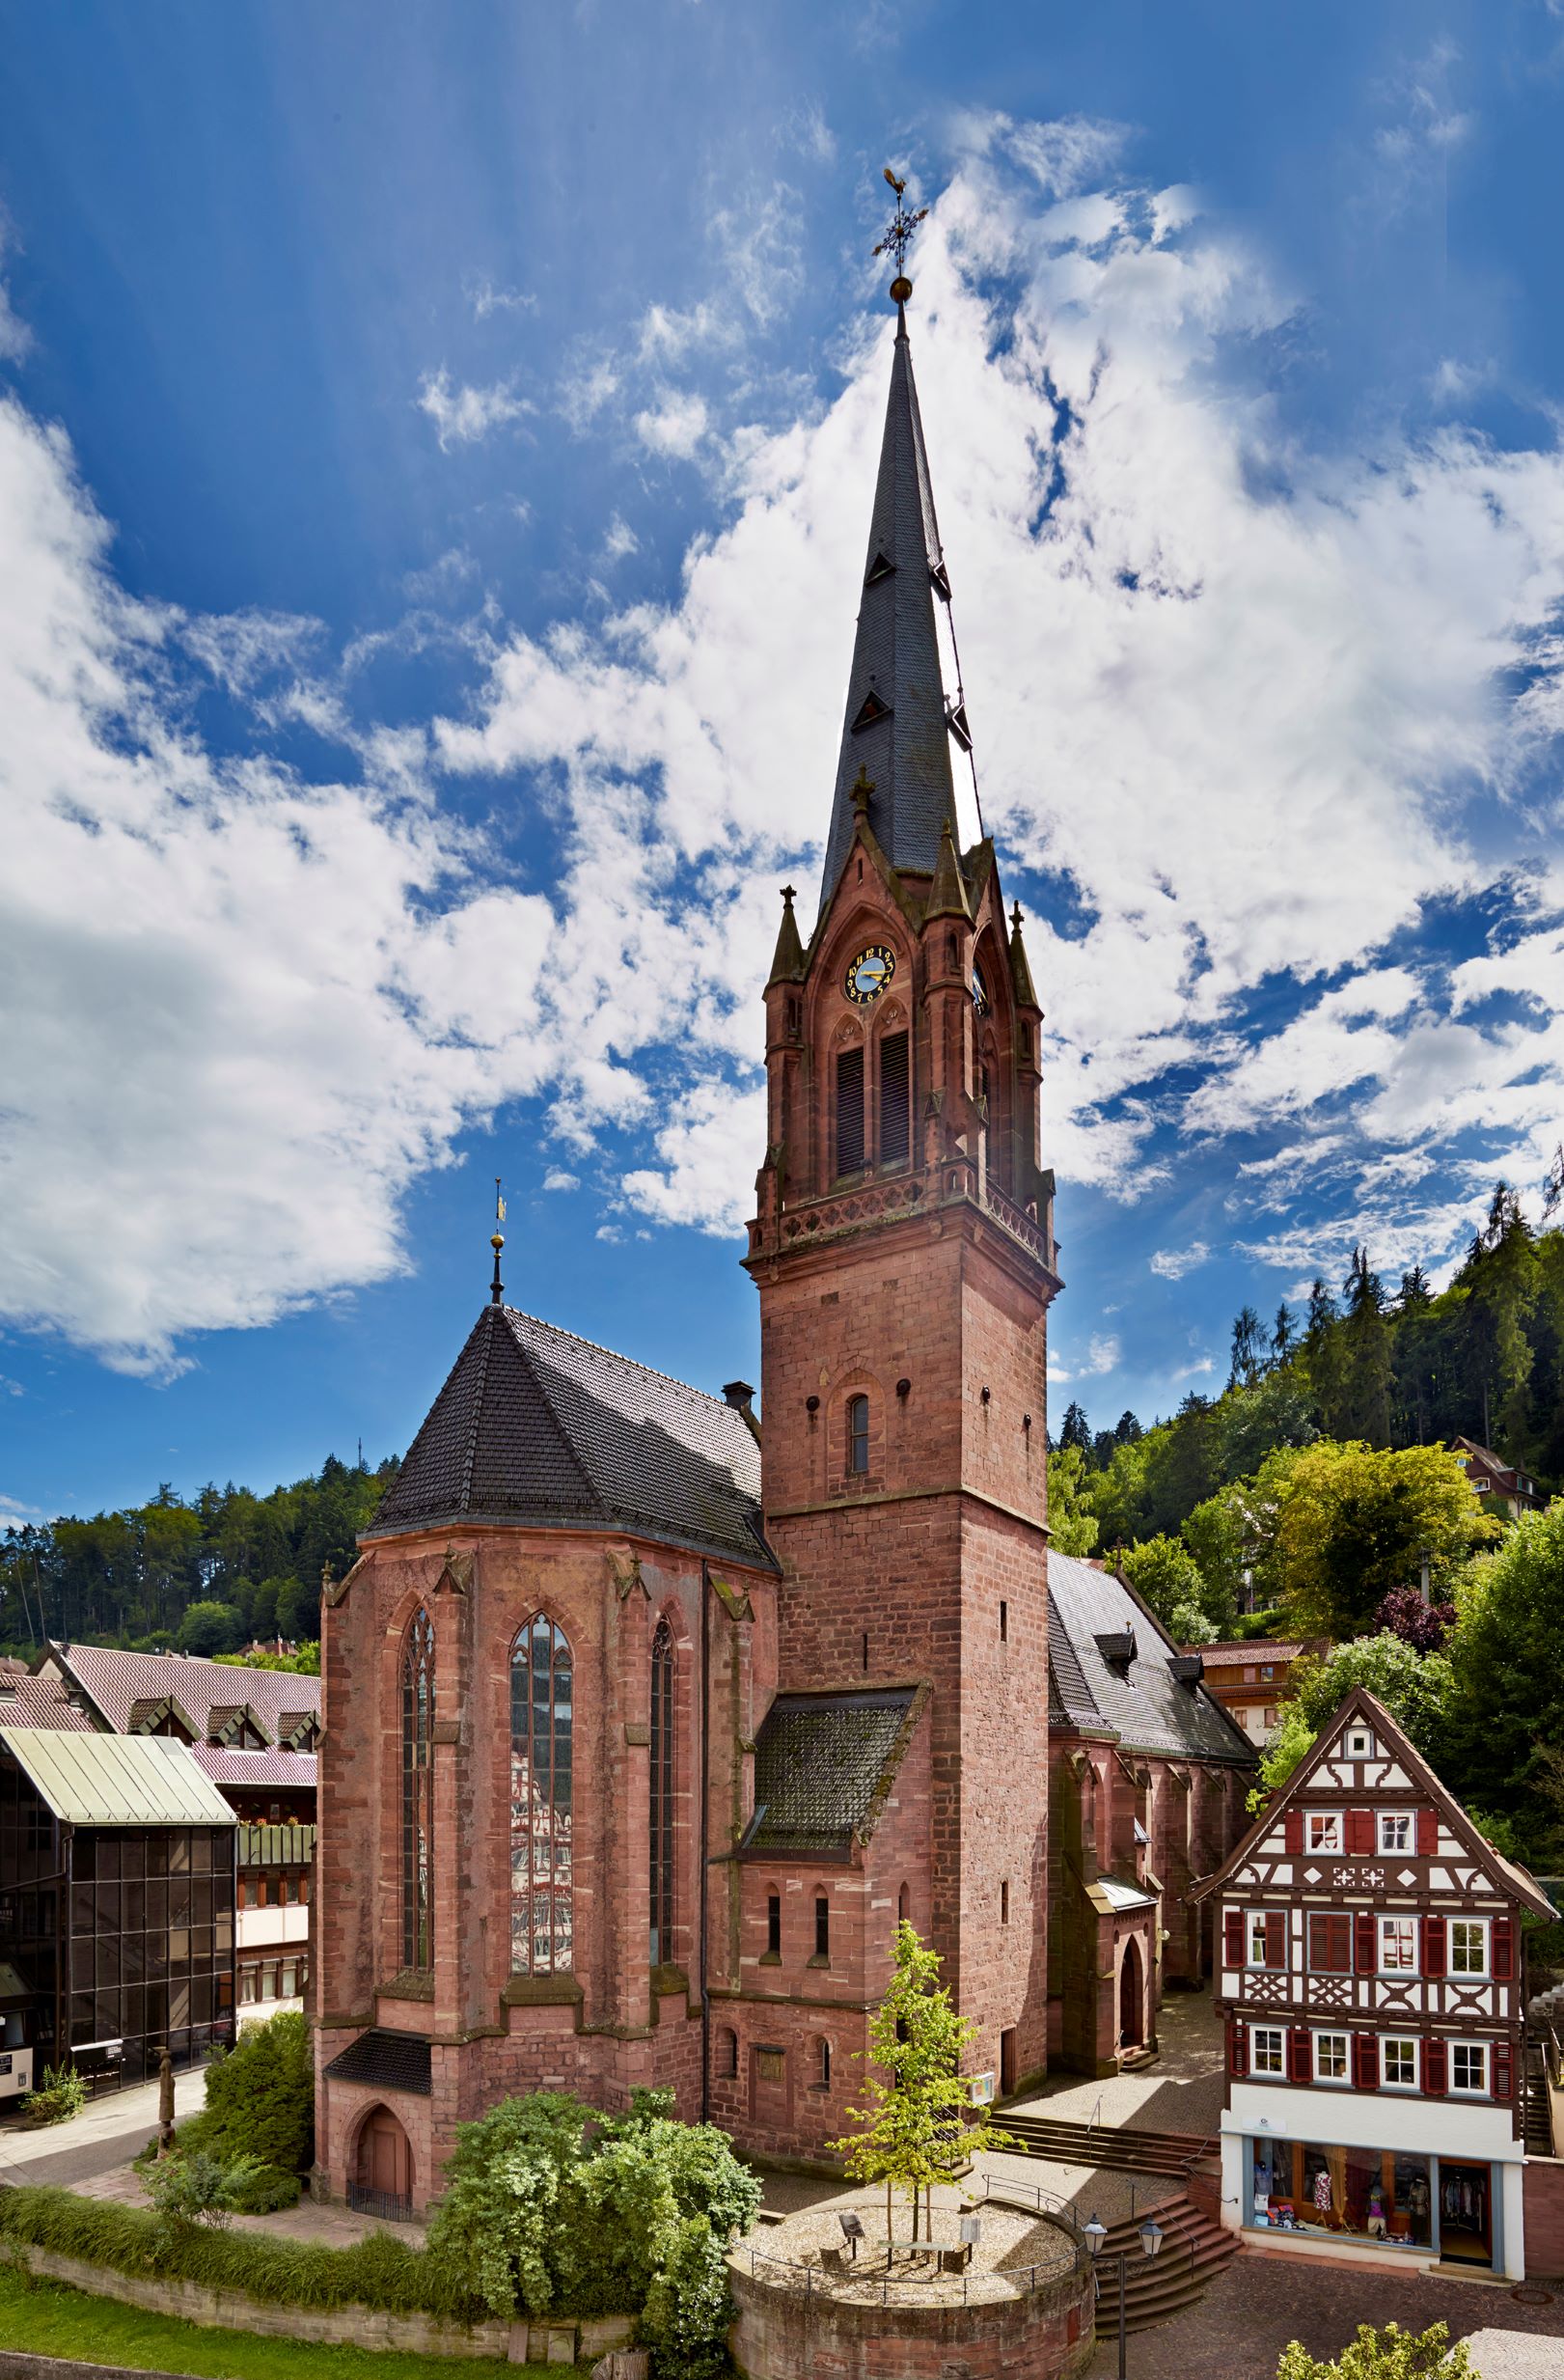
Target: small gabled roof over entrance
[[1507, 1876], [823, 1765]]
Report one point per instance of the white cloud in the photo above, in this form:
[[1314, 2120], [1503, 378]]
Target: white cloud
[[486, 297], [1103, 1353], [557, 1178], [463, 415], [1172, 1264], [676, 426], [15, 339], [620, 540]]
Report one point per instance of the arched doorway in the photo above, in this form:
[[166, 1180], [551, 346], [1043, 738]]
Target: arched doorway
[[1131, 1998], [382, 2182]]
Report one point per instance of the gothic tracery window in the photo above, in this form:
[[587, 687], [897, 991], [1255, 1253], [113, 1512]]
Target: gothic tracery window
[[542, 1931], [661, 1868], [418, 1795]]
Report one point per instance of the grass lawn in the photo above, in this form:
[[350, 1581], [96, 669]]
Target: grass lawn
[[45, 2318]]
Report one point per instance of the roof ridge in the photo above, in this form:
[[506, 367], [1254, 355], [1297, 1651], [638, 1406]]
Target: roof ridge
[[557, 1330], [589, 1477], [470, 1451]]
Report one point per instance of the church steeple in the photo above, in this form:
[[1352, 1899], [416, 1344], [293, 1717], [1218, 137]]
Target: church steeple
[[896, 725]]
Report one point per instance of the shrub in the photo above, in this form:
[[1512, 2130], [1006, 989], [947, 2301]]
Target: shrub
[[380, 2271], [261, 2099], [688, 2309], [195, 2186], [1391, 2354], [61, 2095]]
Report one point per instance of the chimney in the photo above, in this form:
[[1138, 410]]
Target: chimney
[[740, 1395]]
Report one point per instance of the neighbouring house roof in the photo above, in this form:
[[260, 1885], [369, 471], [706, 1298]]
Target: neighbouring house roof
[[386, 2060], [1505, 1475], [1225, 1655], [234, 1769], [1109, 1896], [1506, 1875], [1141, 1701], [117, 1780], [823, 1764], [542, 1429], [116, 1683], [41, 1702]]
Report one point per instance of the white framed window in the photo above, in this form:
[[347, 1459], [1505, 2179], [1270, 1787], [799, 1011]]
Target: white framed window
[[1398, 2062], [1332, 2057], [1469, 2067], [1468, 1946], [1398, 1946], [1395, 1830], [1322, 1829], [1268, 2049], [1360, 1743], [1265, 1938]]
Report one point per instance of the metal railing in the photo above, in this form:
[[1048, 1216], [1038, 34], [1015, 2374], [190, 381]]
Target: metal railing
[[382, 2202], [857, 2282]]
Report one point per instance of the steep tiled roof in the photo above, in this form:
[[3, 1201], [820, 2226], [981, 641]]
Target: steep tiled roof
[[822, 1762], [545, 1430], [1143, 1702], [894, 727], [115, 1682], [255, 1768], [41, 1702], [387, 2061]]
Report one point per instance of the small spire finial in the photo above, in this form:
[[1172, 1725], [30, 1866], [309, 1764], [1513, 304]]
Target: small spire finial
[[898, 237], [1015, 917], [788, 896], [497, 1242], [863, 787]]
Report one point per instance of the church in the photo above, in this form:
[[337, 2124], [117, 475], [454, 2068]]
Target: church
[[647, 1715]]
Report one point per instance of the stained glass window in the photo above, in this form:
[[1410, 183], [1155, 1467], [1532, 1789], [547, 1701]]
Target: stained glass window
[[418, 1796], [662, 1794], [542, 1934]]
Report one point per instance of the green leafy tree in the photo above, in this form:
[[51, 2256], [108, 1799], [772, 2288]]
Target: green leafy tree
[[1391, 2354], [1417, 1689], [1164, 1574], [211, 1628], [1355, 1521], [1508, 1655], [261, 2098], [1367, 1367], [688, 2308], [918, 2126], [1073, 1526], [492, 2228], [1277, 1412], [195, 2186]]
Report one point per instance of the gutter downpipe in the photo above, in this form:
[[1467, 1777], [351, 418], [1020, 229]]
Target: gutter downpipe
[[705, 1792]]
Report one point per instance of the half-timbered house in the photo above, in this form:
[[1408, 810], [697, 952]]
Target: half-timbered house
[[1370, 1971]]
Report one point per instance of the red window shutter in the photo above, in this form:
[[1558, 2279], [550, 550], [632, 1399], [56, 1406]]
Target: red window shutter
[[1275, 1938], [1361, 1831], [1436, 2061], [1233, 1938], [1433, 1946], [1365, 2061], [1503, 2070], [1238, 2047], [1300, 2055], [1503, 1949], [1365, 1958], [1293, 1830], [1427, 1833]]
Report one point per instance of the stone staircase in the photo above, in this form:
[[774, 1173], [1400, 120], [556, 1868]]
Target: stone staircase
[[1538, 2113], [1118, 2147], [1194, 2250]]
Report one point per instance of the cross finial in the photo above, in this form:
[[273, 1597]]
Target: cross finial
[[898, 233], [497, 1242], [788, 896], [1015, 918], [863, 787]]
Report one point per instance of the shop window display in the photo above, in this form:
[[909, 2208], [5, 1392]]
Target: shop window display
[[1369, 2193]]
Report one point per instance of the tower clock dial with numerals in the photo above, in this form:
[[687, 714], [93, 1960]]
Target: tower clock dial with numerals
[[869, 972]]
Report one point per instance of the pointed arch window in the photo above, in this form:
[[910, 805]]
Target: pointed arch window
[[850, 1151], [661, 1862], [418, 1795], [543, 1898], [896, 1102]]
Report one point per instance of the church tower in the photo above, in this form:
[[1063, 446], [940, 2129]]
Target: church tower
[[903, 1249]]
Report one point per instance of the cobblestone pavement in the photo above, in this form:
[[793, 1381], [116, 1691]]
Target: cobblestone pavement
[[1237, 2330], [1182, 2093]]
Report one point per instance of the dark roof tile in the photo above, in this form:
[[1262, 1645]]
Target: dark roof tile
[[387, 2061], [822, 1762], [1142, 1699]]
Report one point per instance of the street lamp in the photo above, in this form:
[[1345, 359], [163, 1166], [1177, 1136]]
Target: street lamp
[[1151, 2239]]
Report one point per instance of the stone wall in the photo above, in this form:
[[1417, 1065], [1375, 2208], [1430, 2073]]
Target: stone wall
[[1543, 2187], [784, 2334]]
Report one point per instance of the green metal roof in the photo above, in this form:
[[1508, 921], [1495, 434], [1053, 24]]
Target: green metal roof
[[118, 1779]]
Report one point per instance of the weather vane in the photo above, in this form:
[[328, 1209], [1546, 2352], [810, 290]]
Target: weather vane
[[898, 237]]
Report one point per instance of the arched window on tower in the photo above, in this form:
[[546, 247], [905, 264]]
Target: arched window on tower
[[418, 1795], [895, 1099], [850, 1149], [858, 1434], [661, 1869], [542, 1904]]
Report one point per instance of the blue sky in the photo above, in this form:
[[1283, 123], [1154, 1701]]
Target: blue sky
[[436, 454]]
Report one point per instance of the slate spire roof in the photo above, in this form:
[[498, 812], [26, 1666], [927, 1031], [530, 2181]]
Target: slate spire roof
[[894, 727], [542, 1429]]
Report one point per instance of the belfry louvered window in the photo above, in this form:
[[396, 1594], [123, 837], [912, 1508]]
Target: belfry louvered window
[[849, 1110], [661, 1868], [418, 1796], [895, 1118], [542, 1901]]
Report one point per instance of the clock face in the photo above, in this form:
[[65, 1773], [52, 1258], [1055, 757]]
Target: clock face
[[979, 992], [870, 974]]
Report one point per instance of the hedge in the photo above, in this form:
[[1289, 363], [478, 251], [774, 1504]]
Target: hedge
[[379, 2271]]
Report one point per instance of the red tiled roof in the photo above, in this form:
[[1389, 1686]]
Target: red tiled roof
[[255, 1768], [115, 1681], [42, 1703]]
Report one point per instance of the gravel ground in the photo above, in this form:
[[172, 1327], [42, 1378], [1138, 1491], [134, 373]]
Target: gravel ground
[[1237, 2330]]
